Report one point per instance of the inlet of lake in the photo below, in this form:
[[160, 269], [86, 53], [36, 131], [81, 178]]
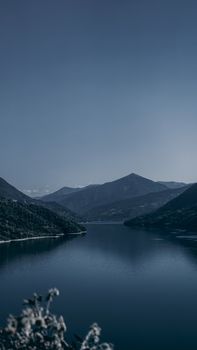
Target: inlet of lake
[[139, 286]]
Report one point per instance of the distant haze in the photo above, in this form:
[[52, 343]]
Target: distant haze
[[92, 90]]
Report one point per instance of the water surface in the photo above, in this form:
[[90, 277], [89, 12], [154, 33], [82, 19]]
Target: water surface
[[141, 288]]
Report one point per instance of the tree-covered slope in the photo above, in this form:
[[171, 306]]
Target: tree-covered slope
[[60, 210], [21, 220], [180, 213], [8, 191], [132, 207]]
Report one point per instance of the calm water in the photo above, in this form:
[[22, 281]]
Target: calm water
[[142, 290]]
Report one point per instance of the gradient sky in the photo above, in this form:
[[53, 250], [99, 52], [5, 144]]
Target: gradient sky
[[92, 90]]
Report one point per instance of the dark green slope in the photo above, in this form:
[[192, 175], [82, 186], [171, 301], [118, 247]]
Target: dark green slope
[[180, 213], [60, 210], [21, 220], [8, 191], [132, 207], [187, 199]]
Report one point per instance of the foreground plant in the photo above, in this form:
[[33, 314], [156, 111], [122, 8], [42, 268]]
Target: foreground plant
[[38, 329]]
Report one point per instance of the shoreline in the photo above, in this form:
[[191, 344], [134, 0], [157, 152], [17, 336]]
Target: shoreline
[[102, 223], [42, 237], [77, 233]]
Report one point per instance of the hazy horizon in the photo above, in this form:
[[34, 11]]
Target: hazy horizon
[[92, 91], [51, 188]]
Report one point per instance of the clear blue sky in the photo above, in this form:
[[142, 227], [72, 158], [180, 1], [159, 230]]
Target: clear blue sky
[[91, 90]]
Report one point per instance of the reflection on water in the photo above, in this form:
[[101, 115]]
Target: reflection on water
[[32, 248], [140, 286]]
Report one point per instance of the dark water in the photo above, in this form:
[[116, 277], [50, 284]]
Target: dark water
[[142, 290]]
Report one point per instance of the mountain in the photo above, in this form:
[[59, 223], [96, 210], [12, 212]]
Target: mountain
[[60, 210], [19, 220], [173, 184], [132, 207], [57, 195], [8, 191], [179, 213], [127, 187]]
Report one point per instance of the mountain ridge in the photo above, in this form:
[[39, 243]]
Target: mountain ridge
[[24, 217], [19, 220], [132, 207], [179, 213], [61, 192], [8, 191], [129, 186]]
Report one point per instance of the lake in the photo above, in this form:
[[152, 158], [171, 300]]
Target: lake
[[140, 288]]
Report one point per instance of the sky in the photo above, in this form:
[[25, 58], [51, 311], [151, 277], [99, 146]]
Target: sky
[[92, 90]]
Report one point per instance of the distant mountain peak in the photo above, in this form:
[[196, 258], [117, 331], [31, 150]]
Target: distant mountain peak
[[132, 175], [129, 186], [64, 191]]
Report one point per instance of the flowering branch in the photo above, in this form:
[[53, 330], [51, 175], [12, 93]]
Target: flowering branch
[[38, 329]]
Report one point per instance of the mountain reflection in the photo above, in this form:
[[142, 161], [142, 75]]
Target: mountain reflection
[[16, 251], [126, 244]]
